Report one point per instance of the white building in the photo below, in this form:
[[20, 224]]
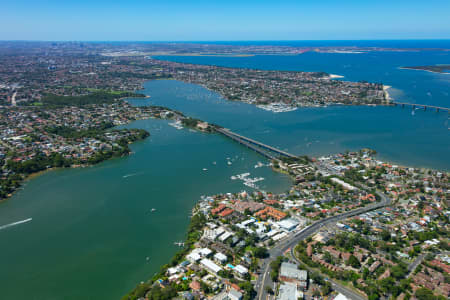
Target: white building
[[340, 297], [220, 257], [241, 270], [288, 224], [234, 295], [210, 265], [225, 236], [198, 253], [287, 291], [344, 184]]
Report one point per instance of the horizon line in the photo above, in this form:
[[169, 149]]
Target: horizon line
[[240, 40]]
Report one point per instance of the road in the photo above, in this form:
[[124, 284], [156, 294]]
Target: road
[[13, 99], [279, 249], [415, 263]]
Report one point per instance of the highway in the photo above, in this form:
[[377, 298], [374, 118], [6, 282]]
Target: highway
[[279, 249]]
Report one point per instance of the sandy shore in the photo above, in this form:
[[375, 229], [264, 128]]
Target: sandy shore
[[386, 92], [334, 76]]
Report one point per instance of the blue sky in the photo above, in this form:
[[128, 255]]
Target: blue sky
[[139, 20]]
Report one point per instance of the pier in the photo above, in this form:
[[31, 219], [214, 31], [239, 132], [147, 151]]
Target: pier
[[259, 147], [424, 106]]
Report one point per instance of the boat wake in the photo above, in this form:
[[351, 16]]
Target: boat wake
[[15, 223], [133, 174]]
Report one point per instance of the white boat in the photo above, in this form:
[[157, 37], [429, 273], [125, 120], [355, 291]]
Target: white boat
[[153, 209], [205, 169], [176, 124]]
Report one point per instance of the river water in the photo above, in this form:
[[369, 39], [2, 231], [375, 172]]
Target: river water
[[92, 229]]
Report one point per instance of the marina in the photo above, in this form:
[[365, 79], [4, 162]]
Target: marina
[[247, 181], [176, 124], [277, 107]]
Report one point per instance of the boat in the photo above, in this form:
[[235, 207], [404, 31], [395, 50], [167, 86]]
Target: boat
[[176, 124], [229, 163], [153, 209], [205, 169]]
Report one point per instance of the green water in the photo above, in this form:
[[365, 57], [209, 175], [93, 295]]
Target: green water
[[92, 228]]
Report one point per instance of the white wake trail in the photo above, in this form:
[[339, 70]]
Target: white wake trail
[[15, 223]]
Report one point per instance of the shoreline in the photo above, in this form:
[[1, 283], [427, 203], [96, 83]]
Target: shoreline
[[386, 92], [180, 253], [335, 76], [34, 175], [37, 174], [430, 71], [28, 177]]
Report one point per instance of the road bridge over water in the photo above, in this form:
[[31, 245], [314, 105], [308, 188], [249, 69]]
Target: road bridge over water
[[423, 106], [259, 147]]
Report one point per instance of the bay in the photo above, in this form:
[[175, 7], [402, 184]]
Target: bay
[[92, 229], [419, 138]]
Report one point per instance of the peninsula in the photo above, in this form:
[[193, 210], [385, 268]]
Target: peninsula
[[71, 131], [443, 69], [351, 226], [65, 69]]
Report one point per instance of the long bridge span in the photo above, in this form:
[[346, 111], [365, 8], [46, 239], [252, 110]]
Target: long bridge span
[[259, 147], [424, 106]]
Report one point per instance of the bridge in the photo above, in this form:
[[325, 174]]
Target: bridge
[[259, 147], [424, 106]]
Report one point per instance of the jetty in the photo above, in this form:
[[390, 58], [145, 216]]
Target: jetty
[[424, 106], [263, 149]]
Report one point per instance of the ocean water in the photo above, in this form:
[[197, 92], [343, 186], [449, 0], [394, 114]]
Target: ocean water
[[404, 44]]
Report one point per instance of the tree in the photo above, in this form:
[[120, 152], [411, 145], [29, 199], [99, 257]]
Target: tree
[[205, 288], [365, 273], [249, 291], [260, 252], [385, 235], [269, 290], [424, 294], [327, 257], [326, 288], [353, 261], [374, 296]]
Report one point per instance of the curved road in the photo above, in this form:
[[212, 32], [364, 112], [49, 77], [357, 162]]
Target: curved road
[[279, 249]]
